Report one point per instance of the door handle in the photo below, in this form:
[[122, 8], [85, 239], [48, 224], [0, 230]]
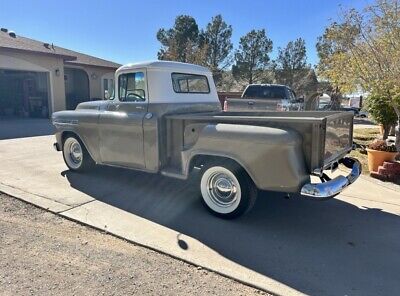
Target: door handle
[[139, 107], [250, 103]]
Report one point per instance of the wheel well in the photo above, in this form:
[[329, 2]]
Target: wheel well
[[65, 135], [202, 160]]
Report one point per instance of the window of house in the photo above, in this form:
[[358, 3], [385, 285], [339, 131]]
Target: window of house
[[108, 85], [105, 83], [132, 87], [190, 83]]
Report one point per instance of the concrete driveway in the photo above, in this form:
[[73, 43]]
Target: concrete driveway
[[346, 246]]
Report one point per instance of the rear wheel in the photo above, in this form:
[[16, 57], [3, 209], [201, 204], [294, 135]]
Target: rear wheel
[[75, 154], [227, 190]]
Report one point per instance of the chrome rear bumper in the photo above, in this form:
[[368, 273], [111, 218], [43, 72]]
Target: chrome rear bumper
[[333, 187]]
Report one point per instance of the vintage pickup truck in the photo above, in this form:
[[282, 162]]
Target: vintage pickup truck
[[165, 117]]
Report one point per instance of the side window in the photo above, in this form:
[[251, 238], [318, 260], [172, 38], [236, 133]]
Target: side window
[[252, 91], [290, 94], [294, 96], [132, 87], [190, 83]]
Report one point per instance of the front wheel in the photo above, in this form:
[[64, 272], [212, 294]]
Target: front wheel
[[227, 190], [75, 154]]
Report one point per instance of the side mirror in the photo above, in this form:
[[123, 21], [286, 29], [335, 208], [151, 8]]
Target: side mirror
[[106, 95]]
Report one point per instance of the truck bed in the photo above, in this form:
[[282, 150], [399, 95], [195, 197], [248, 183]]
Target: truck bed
[[327, 136]]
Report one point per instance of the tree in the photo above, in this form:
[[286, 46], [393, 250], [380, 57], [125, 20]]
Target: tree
[[291, 64], [228, 83], [291, 68], [217, 37], [251, 59], [181, 42], [363, 50], [382, 112]]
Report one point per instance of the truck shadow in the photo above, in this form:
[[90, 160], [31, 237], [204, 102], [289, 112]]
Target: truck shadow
[[318, 248]]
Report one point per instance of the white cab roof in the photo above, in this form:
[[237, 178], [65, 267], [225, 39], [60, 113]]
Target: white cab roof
[[166, 65]]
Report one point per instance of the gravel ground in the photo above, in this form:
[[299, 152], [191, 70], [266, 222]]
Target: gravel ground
[[43, 254]]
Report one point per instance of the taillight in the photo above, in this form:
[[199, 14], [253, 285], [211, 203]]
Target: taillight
[[225, 105], [279, 107], [282, 106]]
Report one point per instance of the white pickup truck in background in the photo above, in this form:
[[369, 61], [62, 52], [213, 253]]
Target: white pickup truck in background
[[265, 97]]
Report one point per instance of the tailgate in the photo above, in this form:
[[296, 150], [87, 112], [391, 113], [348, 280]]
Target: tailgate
[[339, 136], [252, 104]]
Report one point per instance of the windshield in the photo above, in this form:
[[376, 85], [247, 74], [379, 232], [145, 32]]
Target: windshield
[[268, 92]]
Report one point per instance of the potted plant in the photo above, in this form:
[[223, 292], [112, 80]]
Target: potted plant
[[382, 112], [379, 152]]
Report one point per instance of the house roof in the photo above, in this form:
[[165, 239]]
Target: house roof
[[21, 43]]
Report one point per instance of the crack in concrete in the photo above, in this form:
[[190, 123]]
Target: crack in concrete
[[76, 206], [35, 194]]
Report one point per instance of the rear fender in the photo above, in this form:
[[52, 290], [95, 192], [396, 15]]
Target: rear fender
[[272, 157]]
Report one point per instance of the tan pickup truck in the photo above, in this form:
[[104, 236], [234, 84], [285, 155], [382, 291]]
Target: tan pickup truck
[[165, 117], [265, 97]]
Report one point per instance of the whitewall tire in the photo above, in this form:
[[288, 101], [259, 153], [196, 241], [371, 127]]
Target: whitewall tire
[[227, 190], [75, 154]]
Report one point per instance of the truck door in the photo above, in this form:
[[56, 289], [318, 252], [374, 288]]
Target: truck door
[[121, 123]]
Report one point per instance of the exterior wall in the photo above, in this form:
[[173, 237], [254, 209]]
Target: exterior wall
[[28, 61], [35, 62]]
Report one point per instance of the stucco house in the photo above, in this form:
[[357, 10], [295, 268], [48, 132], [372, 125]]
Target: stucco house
[[38, 78]]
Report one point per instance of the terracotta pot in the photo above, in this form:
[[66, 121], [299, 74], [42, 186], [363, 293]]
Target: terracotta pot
[[376, 158]]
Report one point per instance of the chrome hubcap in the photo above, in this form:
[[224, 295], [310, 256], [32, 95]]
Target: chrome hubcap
[[75, 152], [222, 189]]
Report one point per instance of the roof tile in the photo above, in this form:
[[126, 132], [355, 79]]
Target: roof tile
[[70, 56]]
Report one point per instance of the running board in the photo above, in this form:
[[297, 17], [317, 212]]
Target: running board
[[174, 173]]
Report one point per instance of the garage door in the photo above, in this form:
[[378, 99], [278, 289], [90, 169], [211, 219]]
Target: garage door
[[24, 94]]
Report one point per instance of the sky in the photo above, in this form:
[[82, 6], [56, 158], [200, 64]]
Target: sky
[[124, 31]]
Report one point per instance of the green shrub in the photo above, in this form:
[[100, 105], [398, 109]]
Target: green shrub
[[381, 110]]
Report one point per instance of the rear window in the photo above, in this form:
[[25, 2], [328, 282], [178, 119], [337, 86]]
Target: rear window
[[268, 92], [190, 83]]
